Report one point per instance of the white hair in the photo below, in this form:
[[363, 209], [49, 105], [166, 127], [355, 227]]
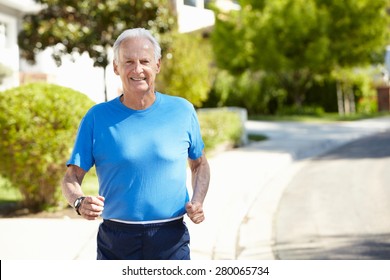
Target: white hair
[[137, 33]]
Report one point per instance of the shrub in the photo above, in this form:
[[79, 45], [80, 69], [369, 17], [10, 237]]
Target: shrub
[[256, 91], [220, 127], [38, 123], [186, 70]]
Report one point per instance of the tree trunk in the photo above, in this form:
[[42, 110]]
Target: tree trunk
[[105, 83], [340, 103], [347, 105], [352, 101]]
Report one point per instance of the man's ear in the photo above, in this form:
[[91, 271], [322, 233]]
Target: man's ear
[[115, 67], [158, 66]]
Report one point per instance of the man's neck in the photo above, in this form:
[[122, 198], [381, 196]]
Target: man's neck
[[138, 101]]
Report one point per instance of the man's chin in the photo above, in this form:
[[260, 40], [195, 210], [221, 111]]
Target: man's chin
[[142, 90]]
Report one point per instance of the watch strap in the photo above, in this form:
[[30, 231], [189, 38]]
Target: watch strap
[[77, 204]]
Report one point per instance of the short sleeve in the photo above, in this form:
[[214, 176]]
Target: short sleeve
[[196, 147], [82, 154]]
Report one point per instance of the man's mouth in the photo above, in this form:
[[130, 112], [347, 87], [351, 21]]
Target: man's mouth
[[138, 79]]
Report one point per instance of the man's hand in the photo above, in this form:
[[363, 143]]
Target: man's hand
[[200, 178], [92, 207], [195, 212]]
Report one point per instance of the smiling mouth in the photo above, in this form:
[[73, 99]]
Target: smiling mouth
[[138, 79]]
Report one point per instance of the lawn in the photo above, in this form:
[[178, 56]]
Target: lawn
[[326, 117], [11, 196]]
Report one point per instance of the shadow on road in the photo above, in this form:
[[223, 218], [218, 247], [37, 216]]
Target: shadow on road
[[339, 247], [379, 148]]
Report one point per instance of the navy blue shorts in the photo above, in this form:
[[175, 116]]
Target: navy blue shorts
[[160, 241]]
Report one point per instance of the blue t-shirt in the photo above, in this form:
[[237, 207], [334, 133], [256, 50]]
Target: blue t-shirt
[[140, 156]]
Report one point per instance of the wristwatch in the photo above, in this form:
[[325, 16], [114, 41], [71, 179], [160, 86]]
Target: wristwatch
[[77, 203]]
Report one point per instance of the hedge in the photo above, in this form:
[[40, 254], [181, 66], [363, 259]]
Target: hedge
[[38, 124]]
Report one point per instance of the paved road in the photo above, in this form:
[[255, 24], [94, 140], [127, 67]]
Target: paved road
[[338, 205]]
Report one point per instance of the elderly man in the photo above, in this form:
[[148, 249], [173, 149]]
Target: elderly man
[[140, 143]]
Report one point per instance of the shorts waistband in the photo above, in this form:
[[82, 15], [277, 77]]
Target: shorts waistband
[[116, 224], [146, 222]]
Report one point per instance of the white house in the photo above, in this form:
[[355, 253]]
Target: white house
[[80, 75], [11, 13]]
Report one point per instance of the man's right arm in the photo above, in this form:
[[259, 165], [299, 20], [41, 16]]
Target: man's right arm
[[91, 207]]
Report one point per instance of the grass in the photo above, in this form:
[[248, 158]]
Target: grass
[[326, 117], [90, 184], [257, 137], [10, 195]]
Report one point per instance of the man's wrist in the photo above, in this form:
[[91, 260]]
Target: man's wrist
[[77, 203]]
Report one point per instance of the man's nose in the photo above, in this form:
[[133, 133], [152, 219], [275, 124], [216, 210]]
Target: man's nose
[[137, 67]]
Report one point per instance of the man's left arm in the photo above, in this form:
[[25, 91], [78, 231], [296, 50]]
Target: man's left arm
[[200, 171]]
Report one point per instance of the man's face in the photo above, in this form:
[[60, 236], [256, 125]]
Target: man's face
[[137, 66]]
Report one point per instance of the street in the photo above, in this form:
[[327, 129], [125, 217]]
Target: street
[[338, 205]]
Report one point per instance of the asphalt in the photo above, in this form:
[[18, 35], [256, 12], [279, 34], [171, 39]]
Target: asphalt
[[245, 190], [337, 207]]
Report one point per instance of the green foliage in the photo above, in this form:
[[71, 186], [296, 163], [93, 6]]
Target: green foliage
[[293, 35], [283, 38], [360, 83], [92, 26], [8, 194], [220, 127], [323, 93], [302, 111], [38, 123], [186, 68], [257, 137], [255, 91], [232, 50], [327, 117], [358, 30], [299, 42]]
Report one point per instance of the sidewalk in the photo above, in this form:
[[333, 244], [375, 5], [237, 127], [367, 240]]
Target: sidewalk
[[245, 189]]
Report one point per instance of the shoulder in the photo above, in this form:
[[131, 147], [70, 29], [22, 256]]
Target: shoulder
[[178, 101], [99, 112], [102, 107]]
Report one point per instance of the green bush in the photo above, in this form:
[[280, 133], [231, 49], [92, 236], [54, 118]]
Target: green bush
[[256, 91], [38, 123], [185, 69], [220, 127]]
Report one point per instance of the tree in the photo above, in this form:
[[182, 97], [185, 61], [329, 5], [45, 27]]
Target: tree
[[357, 30], [186, 68], [285, 38], [78, 26], [358, 34], [299, 40]]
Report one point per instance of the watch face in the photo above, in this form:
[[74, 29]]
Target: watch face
[[77, 202]]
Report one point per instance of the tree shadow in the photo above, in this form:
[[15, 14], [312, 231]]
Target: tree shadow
[[375, 146], [338, 247]]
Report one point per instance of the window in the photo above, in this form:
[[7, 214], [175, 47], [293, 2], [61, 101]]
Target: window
[[190, 3]]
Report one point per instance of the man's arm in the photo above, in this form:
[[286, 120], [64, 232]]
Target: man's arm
[[91, 207], [200, 171]]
